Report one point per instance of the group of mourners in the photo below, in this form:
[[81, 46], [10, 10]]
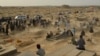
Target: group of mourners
[[71, 31], [39, 21], [12, 24], [80, 43], [20, 24]]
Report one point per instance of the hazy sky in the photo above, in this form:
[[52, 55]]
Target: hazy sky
[[47, 2]]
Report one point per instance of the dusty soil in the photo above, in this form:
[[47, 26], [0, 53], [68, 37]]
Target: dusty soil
[[35, 35]]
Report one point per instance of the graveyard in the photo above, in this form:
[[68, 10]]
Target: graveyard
[[22, 28]]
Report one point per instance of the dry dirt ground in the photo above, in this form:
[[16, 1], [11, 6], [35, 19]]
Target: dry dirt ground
[[35, 35]]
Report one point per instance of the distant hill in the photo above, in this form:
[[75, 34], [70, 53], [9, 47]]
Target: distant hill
[[65, 6], [0, 6]]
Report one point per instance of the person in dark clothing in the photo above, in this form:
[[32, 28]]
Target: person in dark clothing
[[3, 30], [33, 21], [81, 43], [48, 36], [91, 30], [51, 33], [27, 16], [97, 19], [12, 26], [7, 27], [83, 33]]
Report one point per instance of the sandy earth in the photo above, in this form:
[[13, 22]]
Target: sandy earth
[[37, 34]]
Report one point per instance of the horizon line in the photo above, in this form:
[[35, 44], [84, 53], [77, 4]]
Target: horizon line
[[47, 5]]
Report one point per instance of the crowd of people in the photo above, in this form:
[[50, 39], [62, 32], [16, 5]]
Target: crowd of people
[[12, 24], [20, 24]]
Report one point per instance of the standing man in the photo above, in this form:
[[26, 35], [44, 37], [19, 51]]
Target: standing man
[[7, 31], [73, 30], [68, 26], [40, 51]]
